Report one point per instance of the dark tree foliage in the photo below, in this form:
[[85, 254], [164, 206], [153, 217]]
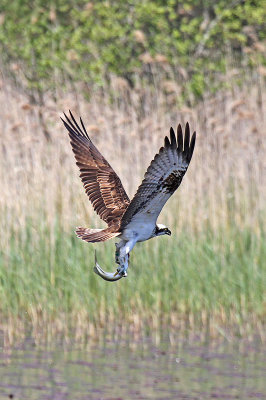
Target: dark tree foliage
[[46, 44]]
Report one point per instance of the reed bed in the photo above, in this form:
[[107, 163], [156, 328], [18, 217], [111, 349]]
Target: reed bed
[[209, 276]]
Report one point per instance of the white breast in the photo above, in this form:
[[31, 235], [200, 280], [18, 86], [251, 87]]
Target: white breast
[[140, 229]]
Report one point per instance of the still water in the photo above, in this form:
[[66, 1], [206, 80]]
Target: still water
[[116, 371]]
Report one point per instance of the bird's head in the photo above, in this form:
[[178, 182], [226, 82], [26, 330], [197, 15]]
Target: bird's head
[[162, 230]]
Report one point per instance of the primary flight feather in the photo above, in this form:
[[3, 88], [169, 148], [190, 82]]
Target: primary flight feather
[[131, 221]]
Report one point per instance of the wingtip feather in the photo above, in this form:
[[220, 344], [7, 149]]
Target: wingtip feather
[[180, 138], [166, 142], [173, 138], [192, 145], [187, 139], [73, 127]]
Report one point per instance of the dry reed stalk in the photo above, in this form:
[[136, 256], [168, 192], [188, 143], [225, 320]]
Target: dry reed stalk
[[39, 179]]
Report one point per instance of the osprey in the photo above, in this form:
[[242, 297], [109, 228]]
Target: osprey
[[131, 221]]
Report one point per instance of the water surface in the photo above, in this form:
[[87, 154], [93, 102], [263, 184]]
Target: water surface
[[115, 371]]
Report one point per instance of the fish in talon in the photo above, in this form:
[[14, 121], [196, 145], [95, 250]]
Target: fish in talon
[[107, 276]]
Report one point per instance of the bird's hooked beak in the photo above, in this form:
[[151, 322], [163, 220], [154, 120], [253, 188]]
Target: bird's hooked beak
[[107, 276]]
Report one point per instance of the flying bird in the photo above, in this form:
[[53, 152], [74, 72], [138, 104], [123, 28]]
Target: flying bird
[[130, 221]]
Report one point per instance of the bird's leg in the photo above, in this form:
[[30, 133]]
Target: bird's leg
[[123, 256], [123, 265], [117, 252]]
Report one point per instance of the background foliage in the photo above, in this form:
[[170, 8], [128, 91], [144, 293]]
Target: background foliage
[[46, 44]]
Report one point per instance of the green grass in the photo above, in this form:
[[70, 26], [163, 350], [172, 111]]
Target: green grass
[[213, 280]]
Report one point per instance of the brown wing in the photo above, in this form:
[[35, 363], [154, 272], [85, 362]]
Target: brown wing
[[101, 183], [161, 180]]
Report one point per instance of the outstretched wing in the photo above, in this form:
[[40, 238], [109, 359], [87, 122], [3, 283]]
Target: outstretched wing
[[101, 183], [162, 178]]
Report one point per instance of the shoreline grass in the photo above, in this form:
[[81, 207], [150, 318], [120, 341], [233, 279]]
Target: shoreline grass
[[213, 281]]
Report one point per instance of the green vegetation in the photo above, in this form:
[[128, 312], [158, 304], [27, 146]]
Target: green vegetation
[[214, 280], [47, 44]]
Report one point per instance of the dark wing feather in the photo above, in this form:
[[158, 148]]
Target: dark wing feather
[[162, 178], [101, 183]]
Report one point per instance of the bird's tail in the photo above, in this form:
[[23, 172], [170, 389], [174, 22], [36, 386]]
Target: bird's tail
[[95, 235]]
